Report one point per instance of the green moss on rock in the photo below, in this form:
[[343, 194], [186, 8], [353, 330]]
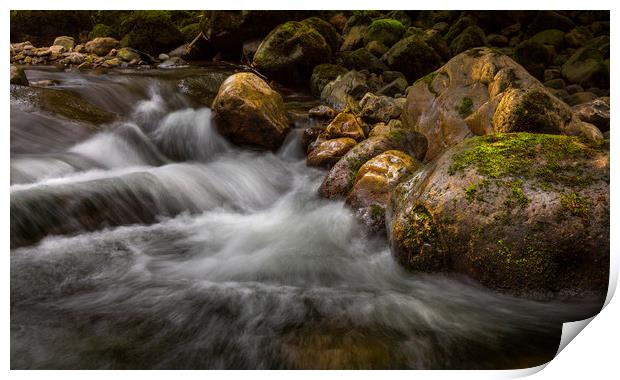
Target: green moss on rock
[[517, 155], [386, 31]]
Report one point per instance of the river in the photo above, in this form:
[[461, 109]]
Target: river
[[151, 242]]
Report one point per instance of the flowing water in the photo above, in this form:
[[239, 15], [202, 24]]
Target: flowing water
[[151, 242]]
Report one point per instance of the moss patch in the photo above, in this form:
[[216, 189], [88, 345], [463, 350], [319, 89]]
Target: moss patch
[[517, 195], [419, 230], [575, 204], [428, 79], [466, 108], [522, 155], [470, 192]]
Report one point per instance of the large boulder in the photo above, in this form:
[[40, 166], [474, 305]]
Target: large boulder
[[362, 59], [101, 45], [374, 182], [249, 112], [326, 30], [341, 177], [18, 76], [533, 56], [482, 91], [413, 57], [290, 52], [227, 30], [473, 36], [150, 31], [519, 212]]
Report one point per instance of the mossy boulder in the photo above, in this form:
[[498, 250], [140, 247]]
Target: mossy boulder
[[18, 76], [551, 37], [227, 30], [291, 51], [341, 177], [413, 57], [325, 153], [323, 74], [386, 31], [101, 30], [362, 59], [522, 213], [471, 37], [61, 103], [374, 182], [589, 65], [326, 30], [549, 20], [458, 27], [150, 31], [482, 91], [578, 37], [249, 112], [533, 56]]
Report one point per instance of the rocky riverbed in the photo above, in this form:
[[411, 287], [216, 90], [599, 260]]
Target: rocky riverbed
[[383, 172]]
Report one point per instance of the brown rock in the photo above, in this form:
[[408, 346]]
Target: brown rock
[[373, 184], [482, 91], [340, 178], [327, 152], [346, 125], [101, 46], [248, 111]]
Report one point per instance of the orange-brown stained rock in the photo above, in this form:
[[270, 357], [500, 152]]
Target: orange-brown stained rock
[[346, 125], [328, 152], [374, 182], [249, 112]]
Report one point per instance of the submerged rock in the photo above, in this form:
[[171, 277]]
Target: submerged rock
[[61, 103], [248, 111], [518, 212], [482, 91], [18, 76]]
